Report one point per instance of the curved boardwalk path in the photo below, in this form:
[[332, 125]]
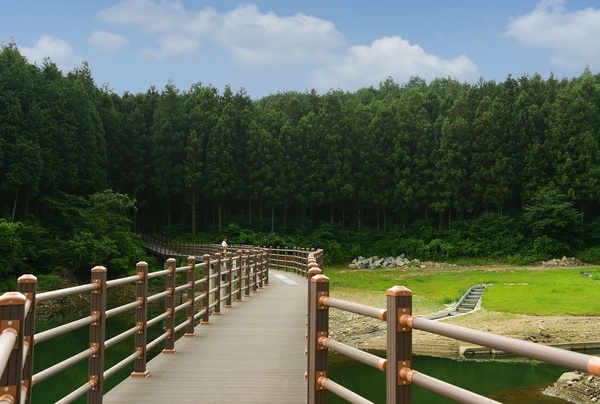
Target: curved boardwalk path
[[252, 353]]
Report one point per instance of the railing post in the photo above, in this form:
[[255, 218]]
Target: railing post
[[247, 273], [254, 270], [219, 278], [191, 294], [260, 267], [229, 279], [141, 321], [206, 291], [312, 271], [97, 335], [399, 346], [27, 286], [317, 352], [170, 307], [267, 266], [12, 314], [239, 276]]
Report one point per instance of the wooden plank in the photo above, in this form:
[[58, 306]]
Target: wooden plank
[[251, 353]]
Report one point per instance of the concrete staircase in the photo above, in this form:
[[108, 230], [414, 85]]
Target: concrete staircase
[[470, 301]]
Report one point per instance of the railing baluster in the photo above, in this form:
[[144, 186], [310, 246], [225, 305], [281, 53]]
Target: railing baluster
[[399, 346], [170, 309], [97, 335], [319, 327], [218, 282], [229, 279], [191, 293], [239, 271], [205, 299], [28, 286], [141, 321]]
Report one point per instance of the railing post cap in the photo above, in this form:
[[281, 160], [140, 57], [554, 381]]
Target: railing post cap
[[171, 260], [314, 271], [399, 291], [99, 268], [319, 278], [27, 278], [12, 298], [191, 257], [142, 264]]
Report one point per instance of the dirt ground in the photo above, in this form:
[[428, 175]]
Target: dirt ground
[[366, 333]]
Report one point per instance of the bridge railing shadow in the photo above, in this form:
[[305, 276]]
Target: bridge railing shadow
[[400, 322], [206, 284]]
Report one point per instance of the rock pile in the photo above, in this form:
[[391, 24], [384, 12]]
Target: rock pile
[[563, 262], [376, 262], [575, 387]]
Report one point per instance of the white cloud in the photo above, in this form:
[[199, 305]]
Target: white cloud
[[573, 36], [394, 57], [106, 41], [251, 37], [173, 45], [260, 39], [58, 50]]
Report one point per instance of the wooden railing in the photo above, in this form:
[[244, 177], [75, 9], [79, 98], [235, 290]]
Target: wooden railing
[[210, 284], [397, 365]]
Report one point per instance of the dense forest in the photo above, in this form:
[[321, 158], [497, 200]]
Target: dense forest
[[438, 170]]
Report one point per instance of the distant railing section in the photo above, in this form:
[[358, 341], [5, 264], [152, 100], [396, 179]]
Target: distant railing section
[[282, 258], [213, 282], [400, 322]]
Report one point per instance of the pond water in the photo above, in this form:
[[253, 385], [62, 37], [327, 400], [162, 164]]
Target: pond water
[[506, 380]]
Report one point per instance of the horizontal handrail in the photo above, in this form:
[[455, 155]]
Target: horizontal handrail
[[526, 349], [66, 292]]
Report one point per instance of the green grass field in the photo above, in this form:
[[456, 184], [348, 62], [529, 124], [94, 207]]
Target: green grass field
[[539, 291]]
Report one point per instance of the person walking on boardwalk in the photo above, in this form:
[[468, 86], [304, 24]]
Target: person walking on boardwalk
[[224, 246]]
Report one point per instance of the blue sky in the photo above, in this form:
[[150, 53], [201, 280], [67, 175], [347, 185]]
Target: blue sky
[[275, 46]]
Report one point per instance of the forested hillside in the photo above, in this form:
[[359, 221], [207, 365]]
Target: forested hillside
[[442, 168]]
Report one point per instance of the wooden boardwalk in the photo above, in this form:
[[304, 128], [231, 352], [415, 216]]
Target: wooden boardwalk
[[252, 353]]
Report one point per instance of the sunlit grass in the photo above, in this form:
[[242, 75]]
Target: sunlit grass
[[513, 290]]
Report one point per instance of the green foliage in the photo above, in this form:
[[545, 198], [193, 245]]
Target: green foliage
[[102, 234], [545, 247], [11, 247], [591, 255], [551, 215]]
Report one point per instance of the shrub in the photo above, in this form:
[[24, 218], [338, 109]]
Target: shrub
[[591, 255]]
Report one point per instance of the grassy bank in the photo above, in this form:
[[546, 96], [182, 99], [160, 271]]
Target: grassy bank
[[523, 290]]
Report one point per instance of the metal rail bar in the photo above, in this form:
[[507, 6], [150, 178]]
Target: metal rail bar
[[122, 309], [354, 353], [342, 391], [60, 366], [357, 308], [62, 329], [446, 389], [66, 292], [544, 353], [122, 281]]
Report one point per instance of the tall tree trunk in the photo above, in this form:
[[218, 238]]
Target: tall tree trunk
[[250, 211], [219, 218], [272, 219], [193, 213], [260, 215], [14, 212]]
